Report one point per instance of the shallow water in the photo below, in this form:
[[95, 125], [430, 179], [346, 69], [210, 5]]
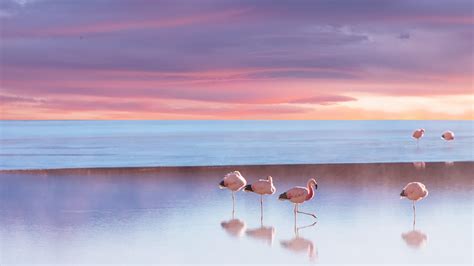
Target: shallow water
[[76, 144], [133, 216]]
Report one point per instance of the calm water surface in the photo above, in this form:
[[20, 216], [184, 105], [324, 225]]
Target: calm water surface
[[185, 218], [75, 144]]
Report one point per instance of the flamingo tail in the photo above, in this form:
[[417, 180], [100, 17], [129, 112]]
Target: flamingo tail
[[248, 188], [221, 184], [283, 196]]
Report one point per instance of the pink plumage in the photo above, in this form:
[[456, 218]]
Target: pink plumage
[[418, 134], [298, 195]]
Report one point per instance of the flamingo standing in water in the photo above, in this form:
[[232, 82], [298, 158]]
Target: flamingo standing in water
[[298, 195], [262, 187], [418, 134], [448, 135], [414, 191], [234, 181]]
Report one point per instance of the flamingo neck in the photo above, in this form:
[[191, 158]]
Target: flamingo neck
[[311, 191]]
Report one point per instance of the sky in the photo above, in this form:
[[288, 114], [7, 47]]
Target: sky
[[229, 59]]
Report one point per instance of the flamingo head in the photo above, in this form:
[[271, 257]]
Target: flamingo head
[[312, 182]]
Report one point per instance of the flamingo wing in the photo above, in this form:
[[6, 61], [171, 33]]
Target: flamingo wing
[[297, 194], [262, 187]]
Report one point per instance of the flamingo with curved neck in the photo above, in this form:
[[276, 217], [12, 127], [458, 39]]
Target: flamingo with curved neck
[[298, 195]]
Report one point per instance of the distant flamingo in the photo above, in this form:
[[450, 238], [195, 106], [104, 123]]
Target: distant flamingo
[[262, 187], [298, 195], [418, 134], [414, 191], [233, 181], [448, 135]]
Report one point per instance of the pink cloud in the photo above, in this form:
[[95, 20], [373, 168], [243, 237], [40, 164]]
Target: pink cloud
[[115, 26], [324, 99]]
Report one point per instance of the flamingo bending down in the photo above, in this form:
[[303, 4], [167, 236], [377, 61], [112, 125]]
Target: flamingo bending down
[[448, 135], [298, 195], [234, 181], [414, 191], [418, 134], [262, 187]]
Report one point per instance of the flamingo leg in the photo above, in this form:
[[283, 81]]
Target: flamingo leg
[[261, 210], [414, 215], [307, 213]]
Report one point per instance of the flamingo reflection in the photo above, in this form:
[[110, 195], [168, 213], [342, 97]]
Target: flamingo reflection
[[415, 238], [301, 245], [265, 233], [234, 227], [419, 165]]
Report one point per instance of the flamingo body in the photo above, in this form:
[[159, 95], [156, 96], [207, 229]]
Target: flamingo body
[[233, 181], [262, 186], [448, 135], [297, 194], [300, 194], [414, 191], [418, 134]]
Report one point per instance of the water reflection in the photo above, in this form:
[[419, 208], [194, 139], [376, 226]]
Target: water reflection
[[263, 233], [419, 165], [234, 227], [415, 238], [301, 245], [449, 164]]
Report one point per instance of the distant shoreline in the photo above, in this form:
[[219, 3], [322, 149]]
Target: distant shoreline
[[401, 166]]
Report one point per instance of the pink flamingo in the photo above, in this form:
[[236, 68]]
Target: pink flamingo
[[261, 187], [448, 135], [414, 191], [298, 195], [418, 134], [234, 181]]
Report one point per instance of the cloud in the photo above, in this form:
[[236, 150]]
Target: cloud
[[234, 52], [117, 26], [8, 99], [404, 36], [105, 105], [324, 99]]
